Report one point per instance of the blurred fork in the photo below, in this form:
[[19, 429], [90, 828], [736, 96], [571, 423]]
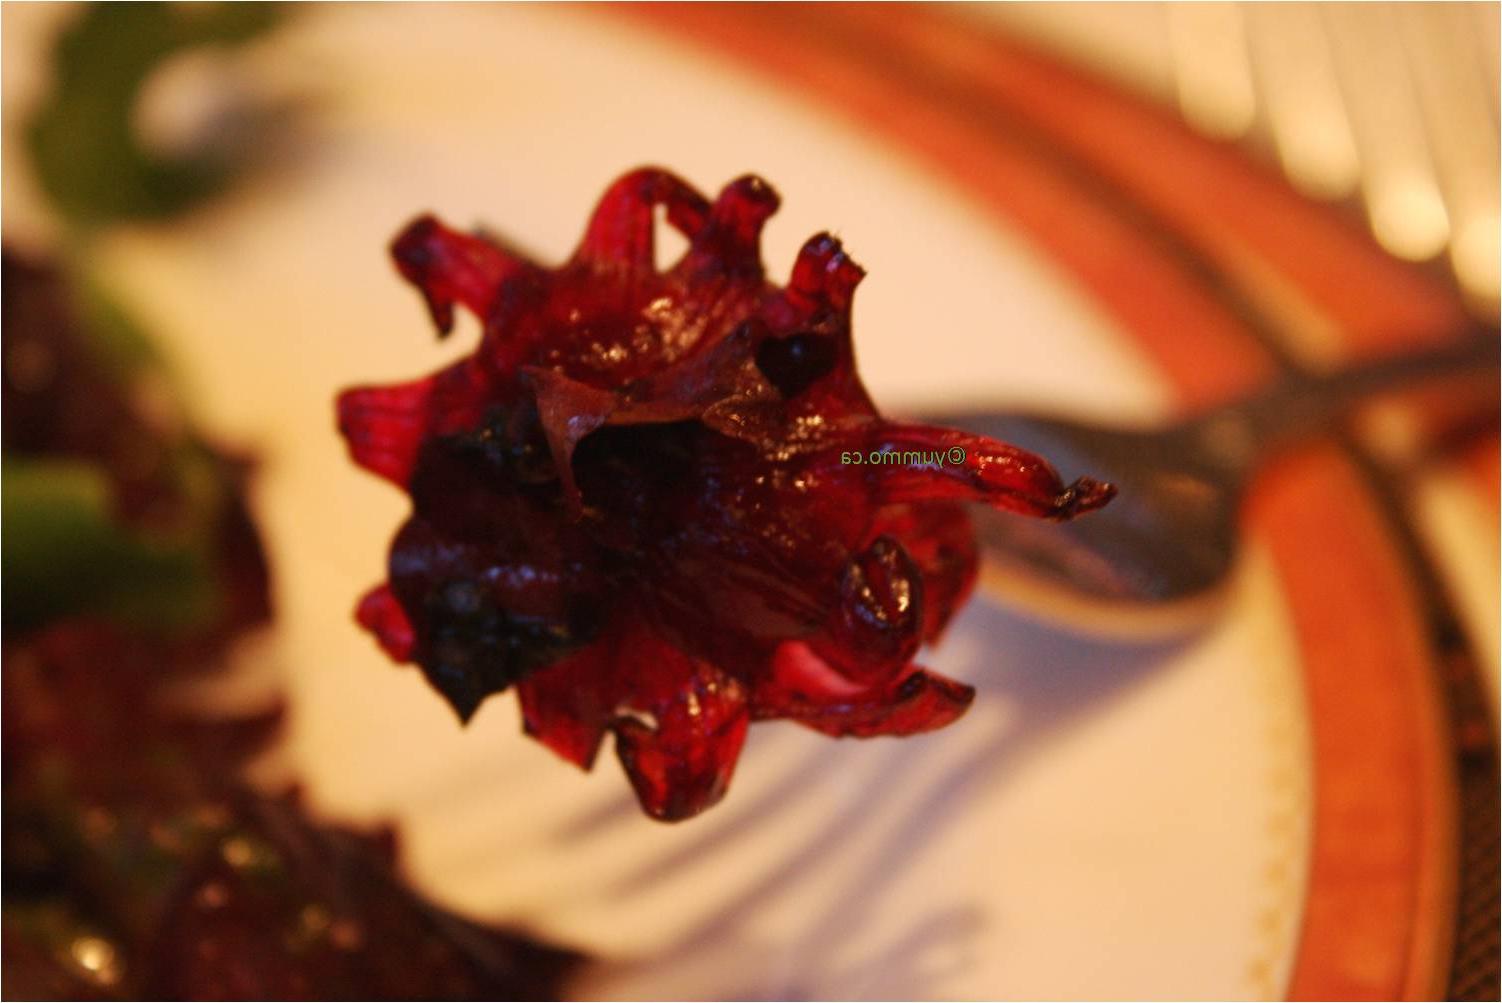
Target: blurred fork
[[1153, 560]]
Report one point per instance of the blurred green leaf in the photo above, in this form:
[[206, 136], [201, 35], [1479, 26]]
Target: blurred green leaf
[[64, 554], [87, 156], [115, 340]]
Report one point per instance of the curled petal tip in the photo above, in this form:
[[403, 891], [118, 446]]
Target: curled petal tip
[[745, 205], [1086, 494], [411, 248], [621, 232], [755, 188], [824, 271], [451, 267], [731, 240], [415, 258], [955, 465], [919, 702]]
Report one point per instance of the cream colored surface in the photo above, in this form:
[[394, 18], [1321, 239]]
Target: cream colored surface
[[1107, 822]]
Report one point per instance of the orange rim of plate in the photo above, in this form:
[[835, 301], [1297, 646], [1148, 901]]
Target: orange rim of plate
[[1218, 269]]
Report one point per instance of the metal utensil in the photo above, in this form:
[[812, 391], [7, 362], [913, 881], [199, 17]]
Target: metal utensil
[[1154, 560]]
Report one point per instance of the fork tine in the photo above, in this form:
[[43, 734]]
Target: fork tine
[[1404, 207], [1463, 136], [1295, 75]]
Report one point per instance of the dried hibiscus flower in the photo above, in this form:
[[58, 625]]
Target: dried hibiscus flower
[[637, 502]]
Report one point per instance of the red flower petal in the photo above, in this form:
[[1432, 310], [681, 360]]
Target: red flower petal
[[807, 690], [679, 721], [451, 267], [939, 538], [383, 616], [951, 465], [877, 627], [567, 705], [679, 727], [385, 426], [923, 701], [621, 234], [636, 502]]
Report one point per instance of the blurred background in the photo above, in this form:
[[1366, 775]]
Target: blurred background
[[1389, 110], [1120, 213]]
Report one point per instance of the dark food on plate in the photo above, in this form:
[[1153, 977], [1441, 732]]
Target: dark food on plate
[[137, 865], [637, 500]]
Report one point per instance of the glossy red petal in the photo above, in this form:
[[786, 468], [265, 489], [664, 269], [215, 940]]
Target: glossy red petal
[[876, 628], [941, 541], [621, 232], [730, 242], [951, 465], [808, 691], [923, 701], [449, 267], [383, 616], [824, 275], [568, 705], [679, 727], [385, 426]]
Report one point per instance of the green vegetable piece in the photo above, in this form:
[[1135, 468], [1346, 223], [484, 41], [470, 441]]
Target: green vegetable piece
[[87, 157], [64, 554]]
